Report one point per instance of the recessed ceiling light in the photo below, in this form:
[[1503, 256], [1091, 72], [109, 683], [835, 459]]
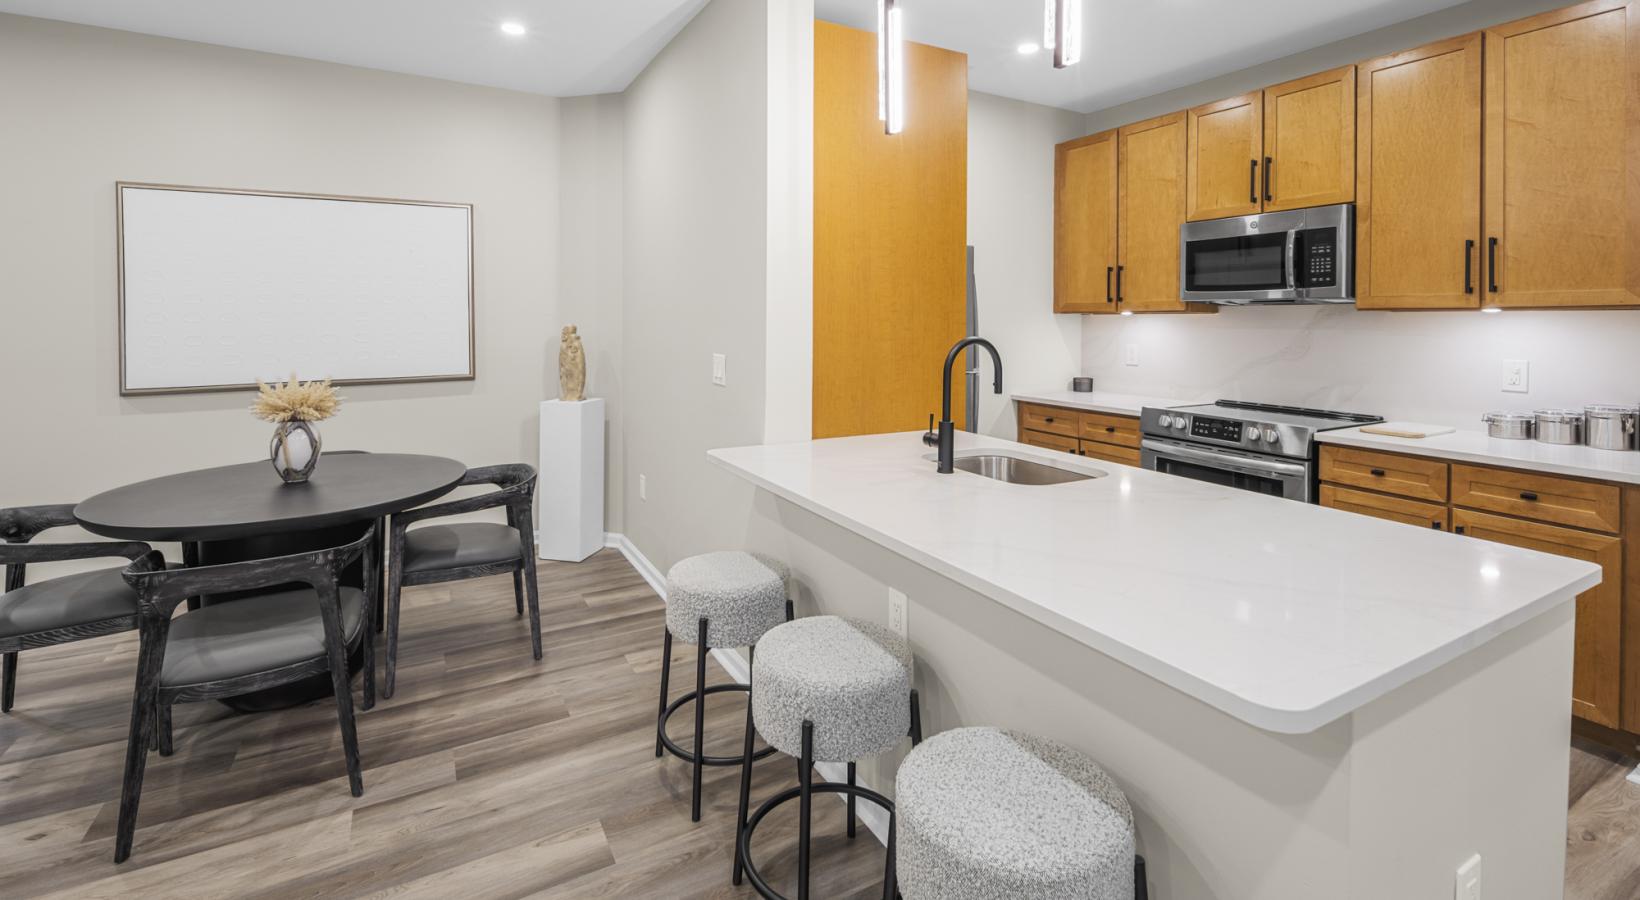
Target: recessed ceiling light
[[516, 29], [1027, 48]]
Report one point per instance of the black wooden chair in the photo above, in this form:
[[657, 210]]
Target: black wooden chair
[[460, 550], [237, 646], [57, 610]]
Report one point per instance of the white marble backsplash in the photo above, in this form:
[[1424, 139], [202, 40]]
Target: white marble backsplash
[[1436, 367]]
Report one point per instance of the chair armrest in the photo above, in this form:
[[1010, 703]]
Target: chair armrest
[[161, 590], [42, 553], [20, 524]]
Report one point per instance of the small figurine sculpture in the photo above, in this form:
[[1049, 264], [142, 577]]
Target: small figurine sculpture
[[572, 367]]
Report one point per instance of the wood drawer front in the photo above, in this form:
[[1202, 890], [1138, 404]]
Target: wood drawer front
[[1420, 479], [1050, 441], [1598, 646], [1546, 498], [1127, 456], [1048, 418], [1120, 430], [1383, 506]]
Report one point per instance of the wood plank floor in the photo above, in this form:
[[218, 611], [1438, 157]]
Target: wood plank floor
[[488, 775]]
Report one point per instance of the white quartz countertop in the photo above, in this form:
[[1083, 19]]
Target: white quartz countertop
[[1282, 614], [1477, 447], [1100, 401]]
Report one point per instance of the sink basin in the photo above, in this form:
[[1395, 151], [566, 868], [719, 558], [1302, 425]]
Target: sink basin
[[1014, 470]]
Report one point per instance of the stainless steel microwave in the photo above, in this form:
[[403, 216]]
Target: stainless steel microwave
[[1297, 256]]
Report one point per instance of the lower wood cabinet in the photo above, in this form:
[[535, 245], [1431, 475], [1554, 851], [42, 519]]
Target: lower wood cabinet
[[1050, 441], [1574, 517], [1103, 436], [1127, 456], [1597, 669]]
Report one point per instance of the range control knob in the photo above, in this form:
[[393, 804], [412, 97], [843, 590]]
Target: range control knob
[[1179, 422], [1252, 433], [1270, 434], [1166, 421]]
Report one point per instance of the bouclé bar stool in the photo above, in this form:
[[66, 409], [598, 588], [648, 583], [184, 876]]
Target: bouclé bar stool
[[825, 690], [999, 815], [724, 599]]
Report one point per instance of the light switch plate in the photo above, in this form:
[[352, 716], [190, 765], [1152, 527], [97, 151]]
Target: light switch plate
[[897, 611], [643, 487], [1131, 355], [1516, 376], [1468, 886], [719, 369]]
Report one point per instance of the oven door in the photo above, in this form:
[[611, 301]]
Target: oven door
[[1276, 476]]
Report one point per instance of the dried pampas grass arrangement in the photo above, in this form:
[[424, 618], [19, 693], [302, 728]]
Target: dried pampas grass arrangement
[[296, 401]]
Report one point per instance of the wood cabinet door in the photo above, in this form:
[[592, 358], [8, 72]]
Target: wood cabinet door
[[1418, 178], [1563, 158], [1084, 225], [1152, 184], [1127, 456], [1597, 668], [1225, 146], [1383, 506], [1309, 141], [1050, 442]]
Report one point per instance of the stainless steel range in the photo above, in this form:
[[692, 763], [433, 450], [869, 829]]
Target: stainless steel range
[[1253, 446]]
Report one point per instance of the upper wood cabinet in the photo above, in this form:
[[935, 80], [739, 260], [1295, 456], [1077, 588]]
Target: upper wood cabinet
[[1084, 226], [1152, 183], [1562, 194], [1225, 142], [1309, 141], [1418, 178]]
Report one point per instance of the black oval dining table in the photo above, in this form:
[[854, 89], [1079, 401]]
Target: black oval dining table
[[239, 512]]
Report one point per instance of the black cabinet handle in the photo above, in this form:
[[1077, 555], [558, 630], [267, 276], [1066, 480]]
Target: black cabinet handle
[[1379, 473], [1469, 267], [1110, 429], [1108, 270], [1492, 265], [1436, 525], [1457, 529], [1119, 283], [1528, 495], [1048, 419], [1252, 182], [1268, 165]]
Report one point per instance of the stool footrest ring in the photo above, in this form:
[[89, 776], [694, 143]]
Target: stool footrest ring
[[672, 747], [745, 837]]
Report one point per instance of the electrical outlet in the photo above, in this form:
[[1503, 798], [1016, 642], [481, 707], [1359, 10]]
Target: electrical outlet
[[719, 373], [643, 487], [1515, 376], [1131, 355], [897, 605], [1468, 885]]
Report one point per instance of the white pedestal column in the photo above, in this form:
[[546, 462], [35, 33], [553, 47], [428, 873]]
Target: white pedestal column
[[570, 499]]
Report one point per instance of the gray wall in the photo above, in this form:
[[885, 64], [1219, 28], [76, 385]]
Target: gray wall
[[1439, 367], [85, 107]]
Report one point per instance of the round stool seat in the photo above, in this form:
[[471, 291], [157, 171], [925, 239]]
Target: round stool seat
[[851, 679], [983, 814], [741, 595]]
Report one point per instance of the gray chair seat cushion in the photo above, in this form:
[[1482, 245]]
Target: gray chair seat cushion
[[983, 814], [64, 602], [851, 678], [741, 595], [253, 634], [434, 547]]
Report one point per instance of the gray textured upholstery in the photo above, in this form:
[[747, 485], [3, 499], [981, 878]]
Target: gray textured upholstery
[[67, 601], [852, 679], [254, 634], [741, 595], [983, 814], [456, 546]]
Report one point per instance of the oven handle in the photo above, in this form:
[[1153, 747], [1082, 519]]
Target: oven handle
[[1224, 461]]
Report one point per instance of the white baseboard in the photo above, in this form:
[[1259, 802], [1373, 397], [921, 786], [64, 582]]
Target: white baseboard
[[873, 817]]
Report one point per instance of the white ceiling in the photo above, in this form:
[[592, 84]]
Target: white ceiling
[[1131, 48], [573, 46]]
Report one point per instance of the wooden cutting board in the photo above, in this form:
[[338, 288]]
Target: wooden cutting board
[[1406, 430]]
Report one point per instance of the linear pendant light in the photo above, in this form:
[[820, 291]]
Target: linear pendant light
[[890, 67], [1062, 31]]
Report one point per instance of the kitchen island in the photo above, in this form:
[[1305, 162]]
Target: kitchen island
[[1300, 702]]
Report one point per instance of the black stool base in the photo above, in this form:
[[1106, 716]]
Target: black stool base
[[672, 747], [745, 836]]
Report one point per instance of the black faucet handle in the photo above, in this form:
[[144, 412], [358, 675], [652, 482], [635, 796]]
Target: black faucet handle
[[929, 437]]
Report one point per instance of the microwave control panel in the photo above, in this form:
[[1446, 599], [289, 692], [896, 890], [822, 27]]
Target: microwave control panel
[[1318, 258], [1215, 429]]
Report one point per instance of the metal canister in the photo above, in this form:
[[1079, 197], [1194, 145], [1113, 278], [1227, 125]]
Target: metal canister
[[1611, 426], [1511, 426], [1559, 426]]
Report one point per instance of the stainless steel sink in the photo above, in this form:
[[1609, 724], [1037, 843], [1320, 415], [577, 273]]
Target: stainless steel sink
[[1014, 470]]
